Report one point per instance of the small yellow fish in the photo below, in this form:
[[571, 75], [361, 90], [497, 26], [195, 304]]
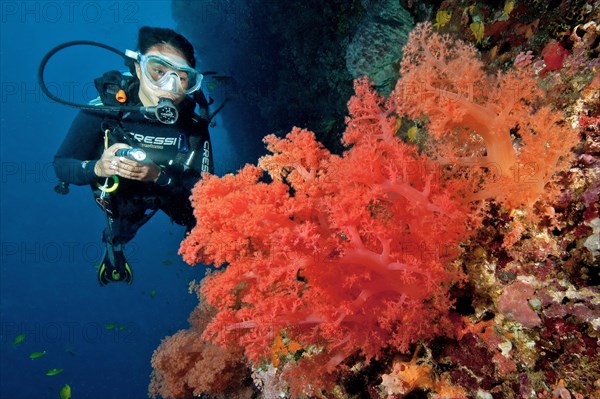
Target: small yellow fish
[[412, 133], [398, 124], [53, 372], [508, 7], [110, 326], [65, 392], [18, 339], [37, 355], [121, 328], [152, 293], [442, 18], [478, 29]]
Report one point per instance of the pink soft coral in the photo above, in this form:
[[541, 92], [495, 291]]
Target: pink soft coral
[[347, 254], [496, 125], [186, 365]]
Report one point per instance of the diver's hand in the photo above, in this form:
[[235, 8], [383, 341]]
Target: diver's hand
[[109, 164], [147, 171]]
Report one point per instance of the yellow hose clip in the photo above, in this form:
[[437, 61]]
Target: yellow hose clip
[[105, 188]]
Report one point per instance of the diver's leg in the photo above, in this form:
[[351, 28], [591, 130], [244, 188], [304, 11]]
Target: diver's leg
[[126, 217]]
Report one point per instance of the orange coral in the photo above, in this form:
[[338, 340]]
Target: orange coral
[[495, 126], [281, 348], [406, 377]]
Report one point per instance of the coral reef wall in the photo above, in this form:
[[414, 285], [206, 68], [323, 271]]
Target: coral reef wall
[[446, 247], [376, 46]]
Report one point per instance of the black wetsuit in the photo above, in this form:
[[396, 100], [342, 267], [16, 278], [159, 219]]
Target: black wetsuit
[[183, 151]]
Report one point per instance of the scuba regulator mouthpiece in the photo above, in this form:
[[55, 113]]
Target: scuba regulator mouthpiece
[[164, 112], [135, 154]]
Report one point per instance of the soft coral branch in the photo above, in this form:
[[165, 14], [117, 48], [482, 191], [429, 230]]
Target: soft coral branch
[[522, 142], [340, 252]]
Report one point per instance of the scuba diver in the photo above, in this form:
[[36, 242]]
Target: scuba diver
[[140, 145]]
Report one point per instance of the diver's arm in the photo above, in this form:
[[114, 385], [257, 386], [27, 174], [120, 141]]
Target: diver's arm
[[76, 158]]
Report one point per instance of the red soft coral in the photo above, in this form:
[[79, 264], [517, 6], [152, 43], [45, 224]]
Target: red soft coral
[[496, 125], [348, 254]]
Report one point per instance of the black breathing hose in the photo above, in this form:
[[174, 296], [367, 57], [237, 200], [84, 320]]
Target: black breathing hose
[[165, 111], [69, 103]]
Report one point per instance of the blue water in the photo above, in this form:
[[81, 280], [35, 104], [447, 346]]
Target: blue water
[[51, 243]]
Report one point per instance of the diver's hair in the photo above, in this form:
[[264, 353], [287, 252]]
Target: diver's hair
[[149, 36]]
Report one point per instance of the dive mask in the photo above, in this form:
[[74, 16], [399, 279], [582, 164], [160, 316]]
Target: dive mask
[[165, 74]]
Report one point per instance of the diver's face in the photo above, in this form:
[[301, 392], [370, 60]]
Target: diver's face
[[150, 94]]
